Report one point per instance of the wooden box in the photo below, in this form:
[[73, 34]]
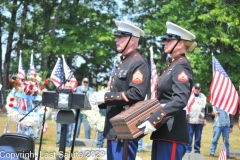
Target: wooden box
[[125, 123]]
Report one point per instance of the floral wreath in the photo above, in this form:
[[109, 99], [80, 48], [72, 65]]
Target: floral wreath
[[24, 96], [95, 119]]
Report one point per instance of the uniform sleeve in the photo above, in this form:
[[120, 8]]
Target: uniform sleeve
[[182, 79], [138, 86]]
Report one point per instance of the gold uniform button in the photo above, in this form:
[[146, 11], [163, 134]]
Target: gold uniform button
[[154, 122], [119, 68], [111, 86], [115, 74], [117, 96], [123, 57], [158, 118], [162, 114], [111, 96]]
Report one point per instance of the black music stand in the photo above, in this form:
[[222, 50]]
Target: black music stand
[[65, 100]]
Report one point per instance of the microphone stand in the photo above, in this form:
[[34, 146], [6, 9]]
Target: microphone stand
[[29, 112], [75, 128]]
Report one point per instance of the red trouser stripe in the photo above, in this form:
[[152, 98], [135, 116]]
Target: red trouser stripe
[[174, 147]]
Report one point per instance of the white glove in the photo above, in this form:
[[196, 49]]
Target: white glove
[[149, 128], [100, 98], [92, 98]]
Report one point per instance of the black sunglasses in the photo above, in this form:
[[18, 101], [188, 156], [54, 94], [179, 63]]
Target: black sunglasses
[[85, 81], [197, 88]]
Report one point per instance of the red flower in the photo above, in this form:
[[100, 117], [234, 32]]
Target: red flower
[[11, 99], [16, 87], [35, 75], [46, 81], [29, 92], [31, 86], [41, 88], [16, 82], [10, 80], [35, 93], [10, 105], [24, 83]]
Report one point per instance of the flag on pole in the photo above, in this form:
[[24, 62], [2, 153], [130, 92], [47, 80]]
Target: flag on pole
[[32, 68], [21, 73], [153, 75], [222, 92], [223, 153], [57, 73], [191, 101], [66, 69], [112, 72], [6, 129]]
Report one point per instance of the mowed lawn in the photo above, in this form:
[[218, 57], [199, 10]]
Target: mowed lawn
[[49, 149]]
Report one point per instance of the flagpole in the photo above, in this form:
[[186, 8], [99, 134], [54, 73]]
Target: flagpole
[[212, 65]]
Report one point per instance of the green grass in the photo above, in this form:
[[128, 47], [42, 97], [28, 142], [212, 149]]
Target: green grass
[[49, 140]]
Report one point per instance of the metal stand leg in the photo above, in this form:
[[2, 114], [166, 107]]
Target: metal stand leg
[[62, 145]]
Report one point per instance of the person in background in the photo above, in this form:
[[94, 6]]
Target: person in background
[[168, 124], [196, 118], [100, 139], [84, 88], [140, 143], [129, 85], [223, 124], [69, 126]]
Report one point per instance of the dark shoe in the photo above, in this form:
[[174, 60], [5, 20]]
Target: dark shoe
[[211, 155]]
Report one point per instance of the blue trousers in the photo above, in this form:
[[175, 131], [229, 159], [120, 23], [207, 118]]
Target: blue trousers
[[196, 130], [164, 150], [69, 134], [140, 143], [217, 131], [100, 139], [115, 150], [87, 128]]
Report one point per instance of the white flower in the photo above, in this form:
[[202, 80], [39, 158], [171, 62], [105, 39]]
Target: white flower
[[94, 117]]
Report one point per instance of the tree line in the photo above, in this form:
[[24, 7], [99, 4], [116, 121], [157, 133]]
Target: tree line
[[83, 28]]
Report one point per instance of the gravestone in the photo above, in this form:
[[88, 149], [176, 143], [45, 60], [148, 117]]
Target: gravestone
[[193, 156]]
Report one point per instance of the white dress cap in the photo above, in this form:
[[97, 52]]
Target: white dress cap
[[179, 31], [127, 27]]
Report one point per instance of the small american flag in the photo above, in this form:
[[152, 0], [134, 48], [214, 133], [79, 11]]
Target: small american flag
[[222, 92], [191, 101], [73, 81], [57, 73], [153, 75], [223, 153], [6, 129], [21, 73], [32, 68], [112, 72]]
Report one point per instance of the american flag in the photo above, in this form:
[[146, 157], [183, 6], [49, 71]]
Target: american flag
[[191, 101], [57, 73], [153, 75], [223, 153], [112, 72], [32, 68], [73, 81], [6, 129], [21, 73], [222, 92]]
